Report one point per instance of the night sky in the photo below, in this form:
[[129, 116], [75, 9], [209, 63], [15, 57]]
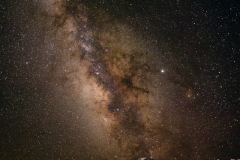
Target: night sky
[[120, 80]]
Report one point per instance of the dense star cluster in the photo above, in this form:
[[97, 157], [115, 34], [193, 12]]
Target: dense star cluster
[[123, 80]]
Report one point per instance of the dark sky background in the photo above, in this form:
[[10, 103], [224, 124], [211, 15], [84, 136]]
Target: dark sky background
[[192, 73]]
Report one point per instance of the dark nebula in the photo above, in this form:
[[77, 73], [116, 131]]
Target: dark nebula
[[124, 80]]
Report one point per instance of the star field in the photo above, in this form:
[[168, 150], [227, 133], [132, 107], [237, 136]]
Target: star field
[[122, 80]]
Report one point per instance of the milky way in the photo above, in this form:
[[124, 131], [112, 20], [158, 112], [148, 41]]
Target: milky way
[[119, 80]]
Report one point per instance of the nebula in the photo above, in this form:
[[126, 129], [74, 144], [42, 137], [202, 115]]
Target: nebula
[[115, 61]]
